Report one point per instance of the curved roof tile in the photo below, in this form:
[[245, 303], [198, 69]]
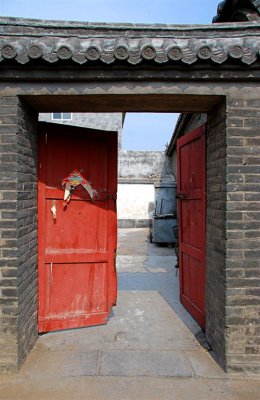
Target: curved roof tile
[[25, 41], [132, 51]]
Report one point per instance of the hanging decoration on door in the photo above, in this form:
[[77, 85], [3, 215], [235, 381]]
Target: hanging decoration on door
[[73, 180]]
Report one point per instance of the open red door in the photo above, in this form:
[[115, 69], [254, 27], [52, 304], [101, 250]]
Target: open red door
[[192, 222], [77, 236]]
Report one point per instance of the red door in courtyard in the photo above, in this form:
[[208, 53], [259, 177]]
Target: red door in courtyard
[[77, 226], [192, 221]]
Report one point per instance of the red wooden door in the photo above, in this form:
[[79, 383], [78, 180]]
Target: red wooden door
[[192, 222], [76, 260]]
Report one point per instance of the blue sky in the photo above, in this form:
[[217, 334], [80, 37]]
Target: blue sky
[[139, 11], [141, 131]]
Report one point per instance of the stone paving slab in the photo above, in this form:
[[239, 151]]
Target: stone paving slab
[[60, 364], [132, 242], [203, 365], [145, 363], [120, 388]]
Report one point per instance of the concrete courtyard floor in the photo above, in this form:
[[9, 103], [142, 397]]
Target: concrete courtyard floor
[[150, 349]]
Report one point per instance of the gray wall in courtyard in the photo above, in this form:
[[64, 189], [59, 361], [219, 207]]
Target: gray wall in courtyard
[[144, 165]]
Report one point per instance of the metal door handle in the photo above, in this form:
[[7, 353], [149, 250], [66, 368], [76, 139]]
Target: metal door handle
[[181, 196]]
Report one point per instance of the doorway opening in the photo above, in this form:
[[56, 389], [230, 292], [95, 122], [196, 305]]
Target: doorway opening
[[143, 172], [121, 334]]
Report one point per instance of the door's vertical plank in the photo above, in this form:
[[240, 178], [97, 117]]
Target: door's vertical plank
[[99, 288]]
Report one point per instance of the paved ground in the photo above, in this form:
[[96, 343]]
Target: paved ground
[[150, 349]]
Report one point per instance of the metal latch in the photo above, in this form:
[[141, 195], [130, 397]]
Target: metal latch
[[181, 196]]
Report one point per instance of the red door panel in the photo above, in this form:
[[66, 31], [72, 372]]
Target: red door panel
[[77, 277], [84, 286], [192, 221], [95, 217]]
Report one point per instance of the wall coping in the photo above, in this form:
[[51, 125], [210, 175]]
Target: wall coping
[[25, 41]]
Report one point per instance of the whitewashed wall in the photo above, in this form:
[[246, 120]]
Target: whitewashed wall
[[134, 203]]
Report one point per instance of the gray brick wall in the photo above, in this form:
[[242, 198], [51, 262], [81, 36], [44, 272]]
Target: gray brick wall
[[233, 221], [18, 231], [8, 233], [215, 231], [27, 141], [243, 233]]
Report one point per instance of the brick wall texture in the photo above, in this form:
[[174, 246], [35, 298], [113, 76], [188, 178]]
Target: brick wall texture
[[18, 207], [242, 236], [233, 221], [215, 231]]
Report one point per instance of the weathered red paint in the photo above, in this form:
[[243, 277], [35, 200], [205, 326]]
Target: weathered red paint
[[191, 155], [77, 276]]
